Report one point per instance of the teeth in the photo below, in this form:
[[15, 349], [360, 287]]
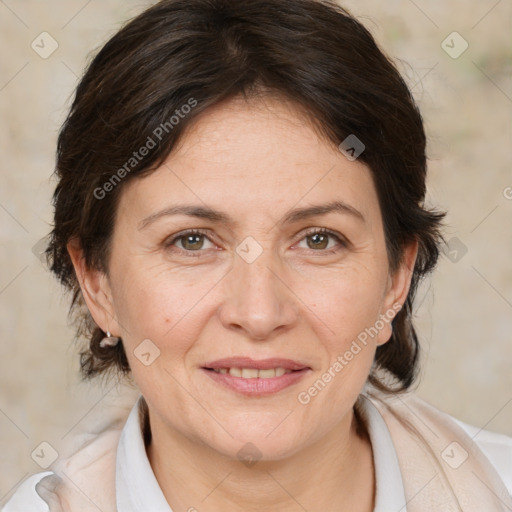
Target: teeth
[[265, 374], [253, 373], [249, 373]]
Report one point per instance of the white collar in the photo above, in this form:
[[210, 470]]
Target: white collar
[[137, 489], [390, 492]]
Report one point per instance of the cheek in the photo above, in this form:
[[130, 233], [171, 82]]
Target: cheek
[[343, 311], [161, 305], [342, 303]]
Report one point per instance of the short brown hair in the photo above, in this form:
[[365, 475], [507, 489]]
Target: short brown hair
[[312, 52]]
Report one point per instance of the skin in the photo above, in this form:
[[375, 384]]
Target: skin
[[304, 298]]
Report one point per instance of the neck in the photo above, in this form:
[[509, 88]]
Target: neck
[[337, 469]]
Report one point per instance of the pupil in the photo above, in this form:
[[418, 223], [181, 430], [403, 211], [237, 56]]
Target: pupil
[[193, 242], [319, 241]]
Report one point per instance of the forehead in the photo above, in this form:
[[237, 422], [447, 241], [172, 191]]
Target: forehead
[[263, 154], [257, 127]]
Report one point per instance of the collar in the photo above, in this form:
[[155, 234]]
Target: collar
[[390, 492], [137, 488]]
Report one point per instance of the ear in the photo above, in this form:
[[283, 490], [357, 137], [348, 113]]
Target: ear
[[396, 291], [95, 290]]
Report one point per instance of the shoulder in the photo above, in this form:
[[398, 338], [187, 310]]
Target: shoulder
[[26, 497], [87, 463], [89, 471], [496, 447]]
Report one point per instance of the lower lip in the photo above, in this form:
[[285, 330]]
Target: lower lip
[[256, 387]]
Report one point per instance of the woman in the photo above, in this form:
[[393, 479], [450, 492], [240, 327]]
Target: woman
[[240, 218]]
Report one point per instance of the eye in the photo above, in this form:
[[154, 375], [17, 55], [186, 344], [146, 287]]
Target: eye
[[197, 241], [322, 240], [190, 241]]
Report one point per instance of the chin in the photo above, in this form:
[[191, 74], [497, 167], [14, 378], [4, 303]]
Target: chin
[[256, 441], [258, 450]]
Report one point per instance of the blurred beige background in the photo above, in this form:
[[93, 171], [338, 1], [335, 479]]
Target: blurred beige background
[[465, 310]]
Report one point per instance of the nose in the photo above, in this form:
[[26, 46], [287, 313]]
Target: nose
[[258, 301]]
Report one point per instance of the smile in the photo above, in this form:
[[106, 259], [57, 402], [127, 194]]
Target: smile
[[255, 382], [253, 373]]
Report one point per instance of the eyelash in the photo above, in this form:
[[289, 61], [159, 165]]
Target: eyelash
[[312, 231]]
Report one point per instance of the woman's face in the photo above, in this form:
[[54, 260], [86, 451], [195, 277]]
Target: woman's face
[[286, 260]]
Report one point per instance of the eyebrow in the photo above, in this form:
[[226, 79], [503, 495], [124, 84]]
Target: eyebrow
[[292, 216]]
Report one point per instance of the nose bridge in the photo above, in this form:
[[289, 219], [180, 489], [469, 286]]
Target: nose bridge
[[259, 277], [258, 300]]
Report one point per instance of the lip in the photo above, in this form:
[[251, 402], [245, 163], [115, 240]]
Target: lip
[[261, 364], [256, 387]]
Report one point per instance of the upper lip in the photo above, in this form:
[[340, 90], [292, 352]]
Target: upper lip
[[261, 364]]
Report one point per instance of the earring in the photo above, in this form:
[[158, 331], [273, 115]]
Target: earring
[[109, 340]]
